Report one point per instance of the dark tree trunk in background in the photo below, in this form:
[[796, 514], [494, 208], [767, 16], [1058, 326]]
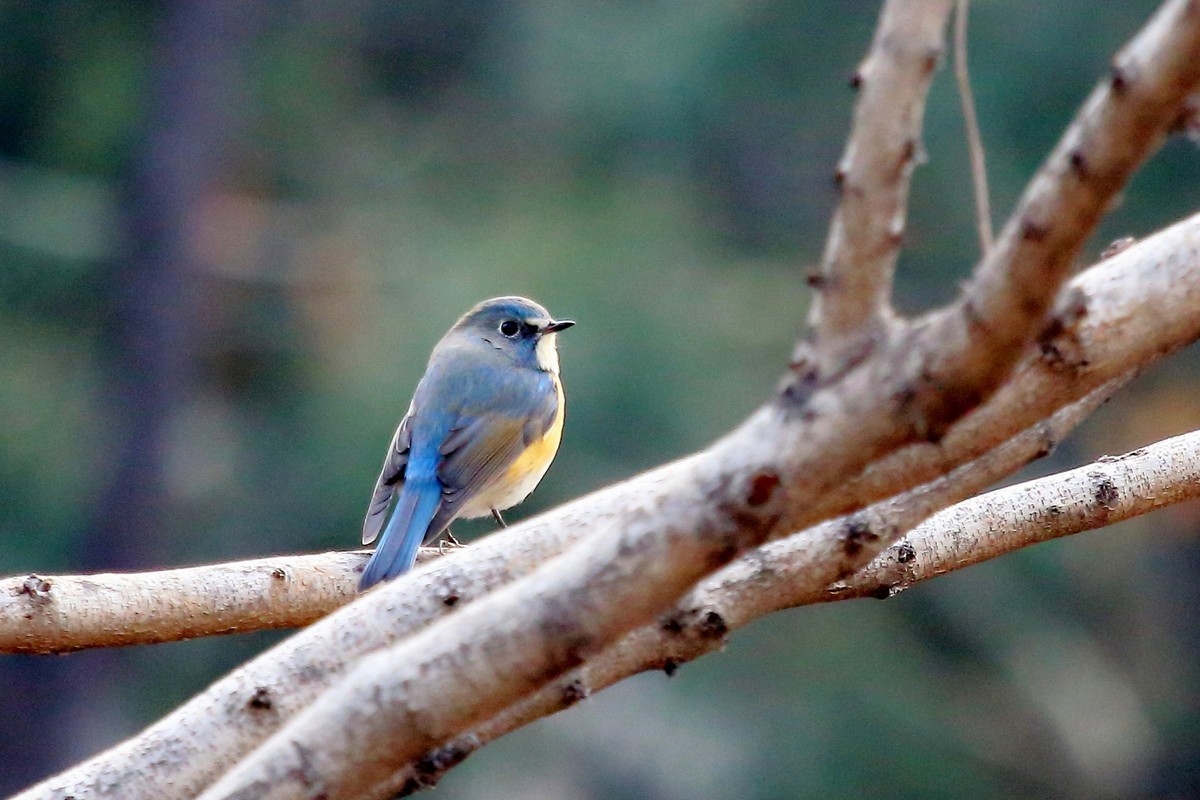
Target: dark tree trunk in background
[[189, 125]]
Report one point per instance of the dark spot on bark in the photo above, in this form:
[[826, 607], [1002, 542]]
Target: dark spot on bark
[[1058, 342], [839, 178], [815, 278], [37, 588], [670, 667], [261, 699], [279, 573], [881, 592], [858, 534], [712, 625], [908, 151], [572, 693], [1053, 510], [1078, 163], [797, 388], [451, 600], [1032, 231], [433, 765], [905, 553], [856, 80], [931, 60], [1119, 80], [762, 486], [672, 624], [1075, 308], [1106, 491]]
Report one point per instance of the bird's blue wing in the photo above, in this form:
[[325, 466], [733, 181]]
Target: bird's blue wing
[[390, 478], [482, 446]]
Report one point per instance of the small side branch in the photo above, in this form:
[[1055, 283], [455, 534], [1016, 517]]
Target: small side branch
[[1108, 491], [57, 614], [1126, 117], [853, 298]]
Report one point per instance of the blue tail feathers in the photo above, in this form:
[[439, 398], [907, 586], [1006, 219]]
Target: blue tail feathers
[[397, 550]]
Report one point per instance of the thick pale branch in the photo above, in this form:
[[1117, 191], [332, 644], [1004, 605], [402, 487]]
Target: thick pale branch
[[1129, 310], [1124, 120], [376, 718], [786, 573], [1140, 305], [874, 176], [1100, 494]]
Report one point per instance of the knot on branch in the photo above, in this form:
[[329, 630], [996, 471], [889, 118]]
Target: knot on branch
[[704, 624], [37, 588], [261, 700], [1106, 491], [430, 768], [857, 535], [751, 507], [573, 692], [1059, 344]]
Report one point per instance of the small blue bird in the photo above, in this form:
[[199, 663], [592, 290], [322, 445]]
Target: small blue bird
[[481, 430]]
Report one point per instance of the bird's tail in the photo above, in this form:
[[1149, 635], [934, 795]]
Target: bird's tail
[[405, 531]]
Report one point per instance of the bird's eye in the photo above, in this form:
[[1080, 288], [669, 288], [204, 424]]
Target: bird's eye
[[510, 327]]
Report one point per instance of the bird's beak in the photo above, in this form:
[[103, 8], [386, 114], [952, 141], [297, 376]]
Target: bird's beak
[[557, 325]]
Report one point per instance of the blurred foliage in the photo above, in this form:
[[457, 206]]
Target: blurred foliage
[[660, 171]]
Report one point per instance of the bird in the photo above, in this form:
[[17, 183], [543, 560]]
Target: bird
[[483, 426]]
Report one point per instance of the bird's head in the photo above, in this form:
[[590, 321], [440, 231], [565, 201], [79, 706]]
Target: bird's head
[[517, 326]]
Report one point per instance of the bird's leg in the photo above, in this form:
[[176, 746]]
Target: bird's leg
[[499, 519], [447, 538]]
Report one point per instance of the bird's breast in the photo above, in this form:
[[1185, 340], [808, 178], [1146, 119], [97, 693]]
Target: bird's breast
[[526, 471]]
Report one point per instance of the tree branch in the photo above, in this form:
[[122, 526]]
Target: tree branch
[[874, 176], [962, 76], [1102, 493], [1124, 119], [1140, 306], [748, 488], [649, 538], [777, 576], [57, 614], [1105, 492]]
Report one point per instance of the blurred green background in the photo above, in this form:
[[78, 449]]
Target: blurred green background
[[231, 231]]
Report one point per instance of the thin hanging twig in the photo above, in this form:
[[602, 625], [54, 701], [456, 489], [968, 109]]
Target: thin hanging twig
[[983, 211]]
